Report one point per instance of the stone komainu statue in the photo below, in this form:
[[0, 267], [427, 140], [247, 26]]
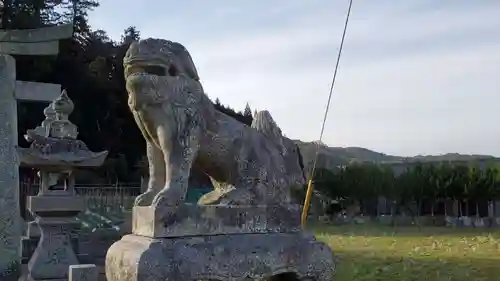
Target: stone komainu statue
[[183, 131]]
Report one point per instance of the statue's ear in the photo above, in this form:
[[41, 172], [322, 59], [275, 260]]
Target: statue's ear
[[185, 60]]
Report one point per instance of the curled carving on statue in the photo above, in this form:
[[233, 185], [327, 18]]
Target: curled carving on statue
[[183, 131]]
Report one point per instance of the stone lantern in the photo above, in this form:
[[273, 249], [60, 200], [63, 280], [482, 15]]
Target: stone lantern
[[55, 152]]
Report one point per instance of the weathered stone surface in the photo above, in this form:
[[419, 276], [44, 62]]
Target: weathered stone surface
[[10, 218], [30, 49], [181, 124], [32, 42], [33, 91], [54, 143], [29, 244], [33, 230], [55, 204], [190, 220], [52, 33], [83, 272], [55, 151], [222, 257], [53, 254], [55, 251], [126, 225]]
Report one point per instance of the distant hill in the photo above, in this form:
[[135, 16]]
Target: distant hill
[[331, 157]]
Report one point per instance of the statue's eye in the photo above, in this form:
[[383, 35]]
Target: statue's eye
[[172, 70], [155, 70]]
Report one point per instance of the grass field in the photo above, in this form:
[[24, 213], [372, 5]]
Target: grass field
[[411, 253]]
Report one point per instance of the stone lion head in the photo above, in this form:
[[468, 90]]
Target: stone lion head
[[157, 70]]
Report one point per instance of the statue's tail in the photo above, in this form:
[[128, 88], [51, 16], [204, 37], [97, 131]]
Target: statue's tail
[[264, 123]]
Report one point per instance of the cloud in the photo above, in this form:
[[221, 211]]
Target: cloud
[[416, 77]]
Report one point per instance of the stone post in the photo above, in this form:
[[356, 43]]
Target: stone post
[[42, 41], [10, 227]]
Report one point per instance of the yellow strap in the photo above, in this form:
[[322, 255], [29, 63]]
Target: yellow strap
[[307, 203]]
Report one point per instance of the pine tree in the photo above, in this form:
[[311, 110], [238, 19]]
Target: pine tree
[[130, 34], [247, 112]]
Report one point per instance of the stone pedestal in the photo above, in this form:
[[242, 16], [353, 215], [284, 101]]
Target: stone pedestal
[[194, 220], [30, 241], [56, 217], [29, 244], [192, 242]]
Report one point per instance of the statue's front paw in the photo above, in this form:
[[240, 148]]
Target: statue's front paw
[[144, 199], [168, 197]]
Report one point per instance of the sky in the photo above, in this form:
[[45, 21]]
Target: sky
[[416, 77]]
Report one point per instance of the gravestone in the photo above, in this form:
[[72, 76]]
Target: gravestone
[[496, 208], [42, 41]]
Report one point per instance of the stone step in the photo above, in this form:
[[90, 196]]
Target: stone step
[[83, 272]]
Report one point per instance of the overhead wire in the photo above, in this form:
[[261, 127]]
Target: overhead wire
[[310, 187]]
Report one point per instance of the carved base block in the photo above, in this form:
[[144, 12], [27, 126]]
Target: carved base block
[[29, 244], [63, 206], [220, 257], [53, 254], [198, 220]]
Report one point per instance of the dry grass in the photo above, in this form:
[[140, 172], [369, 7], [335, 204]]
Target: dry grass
[[410, 253]]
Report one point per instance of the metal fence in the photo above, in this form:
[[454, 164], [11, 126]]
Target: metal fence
[[107, 205], [105, 201]]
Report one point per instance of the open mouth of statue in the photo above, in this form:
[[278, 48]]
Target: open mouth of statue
[[158, 70]]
